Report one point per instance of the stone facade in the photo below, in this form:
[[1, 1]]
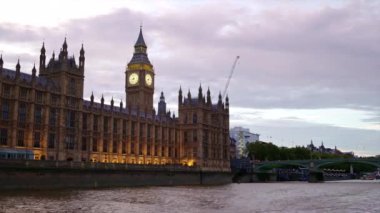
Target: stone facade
[[46, 113]]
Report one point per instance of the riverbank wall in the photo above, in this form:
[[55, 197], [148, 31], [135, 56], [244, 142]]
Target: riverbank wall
[[60, 174]]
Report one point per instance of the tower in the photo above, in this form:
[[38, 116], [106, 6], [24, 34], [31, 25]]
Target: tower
[[139, 77]]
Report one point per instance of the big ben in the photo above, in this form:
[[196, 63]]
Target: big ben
[[139, 77]]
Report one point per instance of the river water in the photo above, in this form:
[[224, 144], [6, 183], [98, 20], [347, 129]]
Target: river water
[[235, 198]]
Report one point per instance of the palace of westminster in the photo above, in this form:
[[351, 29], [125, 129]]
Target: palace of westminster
[[47, 115]]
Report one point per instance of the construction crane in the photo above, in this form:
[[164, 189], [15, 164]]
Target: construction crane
[[229, 77]]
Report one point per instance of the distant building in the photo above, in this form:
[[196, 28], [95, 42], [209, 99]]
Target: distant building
[[323, 149], [242, 136]]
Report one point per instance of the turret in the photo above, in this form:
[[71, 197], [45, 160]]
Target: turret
[[63, 54], [42, 58], [121, 106], [189, 96], [34, 71], [162, 105], [81, 59]]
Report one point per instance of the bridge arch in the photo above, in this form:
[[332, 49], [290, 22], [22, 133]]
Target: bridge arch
[[348, 161], [278, 164]]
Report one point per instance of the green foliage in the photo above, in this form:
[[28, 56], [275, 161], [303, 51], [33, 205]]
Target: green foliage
[[267, 151]]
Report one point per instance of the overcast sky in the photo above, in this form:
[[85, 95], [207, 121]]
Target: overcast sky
[[308, 70]]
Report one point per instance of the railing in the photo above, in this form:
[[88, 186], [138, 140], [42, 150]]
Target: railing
[[46, 164]]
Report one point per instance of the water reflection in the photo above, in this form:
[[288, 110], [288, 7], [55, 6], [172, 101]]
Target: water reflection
[[236, 198]]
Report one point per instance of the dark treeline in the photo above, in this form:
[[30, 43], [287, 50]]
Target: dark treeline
[[267, 151]]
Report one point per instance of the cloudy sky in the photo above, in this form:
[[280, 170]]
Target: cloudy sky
[[308, 70]]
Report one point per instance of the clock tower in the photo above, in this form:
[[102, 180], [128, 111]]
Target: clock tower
[[139, 77]]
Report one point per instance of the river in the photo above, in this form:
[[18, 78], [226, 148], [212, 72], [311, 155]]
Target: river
[[343, 196]]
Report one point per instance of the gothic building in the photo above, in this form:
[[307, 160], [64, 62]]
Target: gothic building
[[46, 114]]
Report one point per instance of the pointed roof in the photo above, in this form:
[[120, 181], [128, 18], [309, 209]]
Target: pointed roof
[[140, 40]]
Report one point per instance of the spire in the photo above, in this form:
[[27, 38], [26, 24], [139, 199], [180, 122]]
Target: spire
[[42, 58], [180, 95], [112, 102], [140, 40], [220, 99], [43, 51], [18, 66], [200, 92], [64, 46], [189, 96], [208, 96], [82, 50], [81, 58]]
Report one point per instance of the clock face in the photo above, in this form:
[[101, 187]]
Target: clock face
[[133, 79], [148, 79]]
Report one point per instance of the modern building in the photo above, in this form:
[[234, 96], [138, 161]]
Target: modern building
[[242, 136], [46, 114]]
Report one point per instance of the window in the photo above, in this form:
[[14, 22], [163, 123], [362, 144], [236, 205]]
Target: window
[[95, 123], [114, 147], [149, 130], [105, 145], [39, 97], [71, 86], [195, 135], [5, 109], [37, 139], [53, 117], [132, 148], [38, 114], [84, 121], [133, 129], [20, 138], [22, 112], [140, 149], [51, 141], [195, 119], [6, 90], [95, 145], [141, 130], [84, 143], [70, 119], [148, 149], [70, 142], [3, 136], [105, 124], [124, 127], [114, 125], [123, 147], [155, 150], [54, 99], [23, 93]]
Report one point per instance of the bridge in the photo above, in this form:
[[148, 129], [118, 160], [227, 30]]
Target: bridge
[[313, 164]]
